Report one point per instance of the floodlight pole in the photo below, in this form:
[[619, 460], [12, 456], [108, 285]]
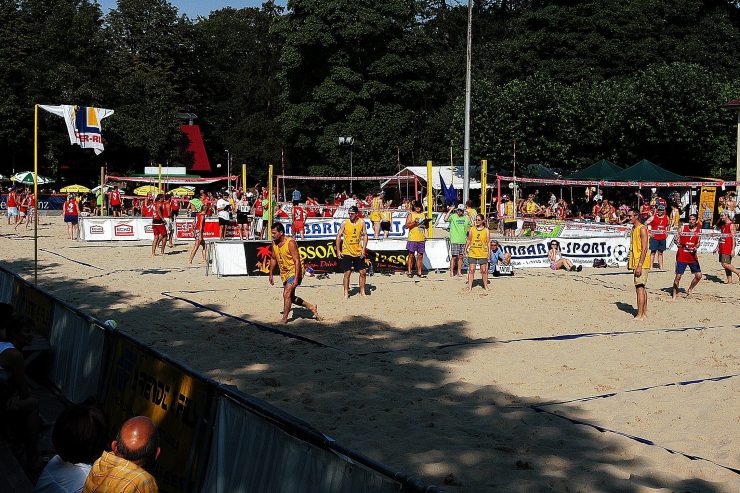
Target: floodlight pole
[[466, 159]]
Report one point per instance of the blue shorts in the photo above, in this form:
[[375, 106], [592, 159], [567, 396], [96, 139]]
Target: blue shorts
[[290, 280], [70, 219], [681, 267], [657, 245]]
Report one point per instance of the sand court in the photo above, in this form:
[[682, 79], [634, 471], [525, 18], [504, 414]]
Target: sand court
[[442, 383]]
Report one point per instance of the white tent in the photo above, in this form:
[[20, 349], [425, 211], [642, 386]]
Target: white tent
[[455, 178]]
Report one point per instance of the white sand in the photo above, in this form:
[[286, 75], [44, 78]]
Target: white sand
[[461, 414]]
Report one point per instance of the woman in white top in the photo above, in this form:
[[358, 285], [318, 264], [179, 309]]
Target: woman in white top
[[243, 216], [558, 261]]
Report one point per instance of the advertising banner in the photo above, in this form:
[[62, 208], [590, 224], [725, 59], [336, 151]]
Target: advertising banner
[[139, 382], [707, 198], [46, 202], [580, 251], [39, 307]]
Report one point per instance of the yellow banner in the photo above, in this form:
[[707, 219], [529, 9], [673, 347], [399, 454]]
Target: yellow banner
[[140, 383], [706, 201]]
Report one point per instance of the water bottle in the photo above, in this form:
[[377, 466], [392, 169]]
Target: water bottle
[[370, 271]]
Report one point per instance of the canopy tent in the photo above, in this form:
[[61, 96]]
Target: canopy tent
[[450, 177], [537, 170], [600, 170], [646, 171]]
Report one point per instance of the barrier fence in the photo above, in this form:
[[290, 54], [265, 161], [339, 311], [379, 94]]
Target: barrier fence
[[213, 437]]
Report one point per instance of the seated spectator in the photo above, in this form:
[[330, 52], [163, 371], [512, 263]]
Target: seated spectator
[[20, 409], [497, 256], [123, 469], [558, 261], [79, 438]]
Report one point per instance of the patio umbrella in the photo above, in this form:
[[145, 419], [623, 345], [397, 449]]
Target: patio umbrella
[[26, 178], [147, 189], [75, 189], [180, 191]]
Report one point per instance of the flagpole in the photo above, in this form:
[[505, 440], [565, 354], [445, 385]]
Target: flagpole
[[36, 194]]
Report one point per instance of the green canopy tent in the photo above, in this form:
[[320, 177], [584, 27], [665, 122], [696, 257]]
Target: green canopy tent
[[600, 170], [646, 171]]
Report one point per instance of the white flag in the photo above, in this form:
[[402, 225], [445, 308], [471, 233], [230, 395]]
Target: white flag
[[83, 124]]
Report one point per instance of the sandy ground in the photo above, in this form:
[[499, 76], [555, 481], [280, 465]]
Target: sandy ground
[[445, 384]]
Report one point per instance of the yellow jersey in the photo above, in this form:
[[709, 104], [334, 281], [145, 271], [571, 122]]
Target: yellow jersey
[[479, 243], [636, 249], [375, 206], [351, 245], [510, 212], [416, 233], [285, 261]]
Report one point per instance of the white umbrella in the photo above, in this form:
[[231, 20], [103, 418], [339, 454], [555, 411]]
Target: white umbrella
[[95, 190], [26, 178]]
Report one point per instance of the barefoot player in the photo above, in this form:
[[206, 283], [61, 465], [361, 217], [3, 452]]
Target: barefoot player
[[688, 242], [639, 261], [285, 255], [351, 242]]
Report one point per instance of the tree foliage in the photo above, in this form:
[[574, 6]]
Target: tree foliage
[[571, 82]]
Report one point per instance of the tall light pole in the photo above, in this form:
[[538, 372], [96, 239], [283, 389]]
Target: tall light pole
[[348, 141], [228, 169], [735, 105], [466, 160]]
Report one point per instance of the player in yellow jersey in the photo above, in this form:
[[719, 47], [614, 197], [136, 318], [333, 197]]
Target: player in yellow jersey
[[376, 216], [416, 224], [285, 255], [639, 261], [351, 249], [478, 247]]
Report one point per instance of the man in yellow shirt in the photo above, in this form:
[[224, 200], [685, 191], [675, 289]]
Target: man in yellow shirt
[[351, 249], [639, 261], [286, 256], [416, 224]]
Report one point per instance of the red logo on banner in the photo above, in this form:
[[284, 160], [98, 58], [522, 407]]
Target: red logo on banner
[[123, 230], [148, 228]]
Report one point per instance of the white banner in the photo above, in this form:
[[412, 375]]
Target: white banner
[[580, 251], [115, 228]]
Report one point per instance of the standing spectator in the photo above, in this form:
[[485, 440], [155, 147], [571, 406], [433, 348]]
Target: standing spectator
[[79, 438], [123, 469], [385, 219], [243, 216], [415, 224], [22, 408], [71, 210], [509, 217], [726, 246], [459, 226], [224, 217], [296, 198], [706, 213], [686, 256], [657, 225], [376, 216], [351, 243], [158, 227], [12, 205], [115, 201], [265, 214], [639, 261], [298, 221], [477, 247]]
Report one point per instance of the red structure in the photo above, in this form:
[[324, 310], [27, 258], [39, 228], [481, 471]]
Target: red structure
[[197, 148]]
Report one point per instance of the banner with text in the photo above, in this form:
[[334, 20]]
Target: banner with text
[[580, 251]]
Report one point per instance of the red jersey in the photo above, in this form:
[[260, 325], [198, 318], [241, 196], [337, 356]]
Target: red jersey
[[299, 215], [166, 209], [71, 208], [157, 217], [147, 210], [115, 197], [658, 227], [12, 202], [596, 210], [688, 242], [727, 243], [175, 205], [645, 210]]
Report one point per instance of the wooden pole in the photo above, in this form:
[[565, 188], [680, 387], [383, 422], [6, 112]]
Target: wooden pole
[[244, 177]]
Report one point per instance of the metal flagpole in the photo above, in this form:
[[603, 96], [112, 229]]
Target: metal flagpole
[[36, 194], [269, 205], [466, 164], [430, 203]]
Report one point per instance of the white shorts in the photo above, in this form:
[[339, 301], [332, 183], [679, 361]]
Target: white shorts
[[260, 224], [12, 211]]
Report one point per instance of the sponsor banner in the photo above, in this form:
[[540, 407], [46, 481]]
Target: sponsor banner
[[46, 202], [549, 228], [583, 251], [185, 228], [29, 301], [707, 199], [95, 229], [328, 227], [139, 382]]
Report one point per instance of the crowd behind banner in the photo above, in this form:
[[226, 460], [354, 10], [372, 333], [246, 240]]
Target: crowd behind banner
[[213, 437]]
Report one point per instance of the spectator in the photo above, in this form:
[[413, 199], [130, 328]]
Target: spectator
[[416, 241], [558, 261], [79, 438], [223, 207], [497, 255], [123, 469], [459, 225], [22, 409], [478, 247]]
